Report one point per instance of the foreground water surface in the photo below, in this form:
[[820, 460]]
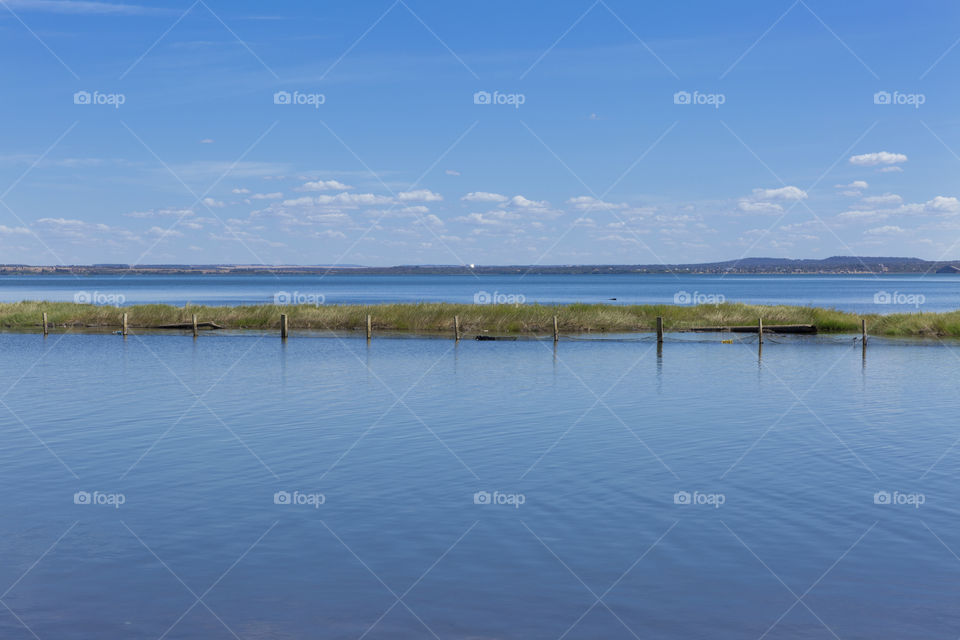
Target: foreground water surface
[[857, 293], [240, 487]]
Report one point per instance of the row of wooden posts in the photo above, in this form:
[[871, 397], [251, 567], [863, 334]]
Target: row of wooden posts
[[285, 328]]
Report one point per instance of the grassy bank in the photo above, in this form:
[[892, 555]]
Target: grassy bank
[[498, 319]]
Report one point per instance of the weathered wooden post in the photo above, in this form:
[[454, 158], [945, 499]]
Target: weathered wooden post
[[283, 326], [659, 330], [556, 329], [369, 327], [456, 327], [195, 328], [760, 330], [123, 328], [863, 330], [44, 324]]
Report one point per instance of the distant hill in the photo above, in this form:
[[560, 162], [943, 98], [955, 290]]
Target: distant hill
[[834, 264]]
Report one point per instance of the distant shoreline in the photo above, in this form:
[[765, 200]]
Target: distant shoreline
[[846, 265], [505, 319]]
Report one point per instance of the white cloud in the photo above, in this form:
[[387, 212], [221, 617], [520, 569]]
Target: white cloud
[[589, 203], [419, 195], [943, 204], [305, 201], [853, 189], [863, 214], [885, 230], [764, 200], [267, 196], [783, 193], [856, 184], [758, 207], [523, 203], [887, 198], [83, 7], [354, 199], [329, 233], [325, 185], [210, 202], [484, 196], [164, 233], [340, 199], [7, 231], [160, 213], [240, 191], [878, 158], [206, 141], [451, 172], [893, 169]]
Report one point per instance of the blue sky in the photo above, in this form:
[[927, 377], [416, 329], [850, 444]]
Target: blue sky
[[615, 131]]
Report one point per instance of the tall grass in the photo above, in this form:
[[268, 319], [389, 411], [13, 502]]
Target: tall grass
[[506, 319]]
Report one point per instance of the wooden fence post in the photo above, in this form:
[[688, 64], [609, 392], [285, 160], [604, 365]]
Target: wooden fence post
[[369, 327], [863, 330], [659, 329], [195, 328], [760, 330], [556, 329], [283, 326], [44, 324], [456, 327], [123, 329]]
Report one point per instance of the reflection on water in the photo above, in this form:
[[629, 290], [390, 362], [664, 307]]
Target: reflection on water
[[238, 484]]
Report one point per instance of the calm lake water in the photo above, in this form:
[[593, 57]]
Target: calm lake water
[[478, 490], [860, 293]]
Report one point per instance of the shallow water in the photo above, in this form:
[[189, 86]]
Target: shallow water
[[399, 436], [858, 293]]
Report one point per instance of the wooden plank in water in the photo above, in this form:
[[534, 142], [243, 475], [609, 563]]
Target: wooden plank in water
[[188, 325], [768, 328]]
